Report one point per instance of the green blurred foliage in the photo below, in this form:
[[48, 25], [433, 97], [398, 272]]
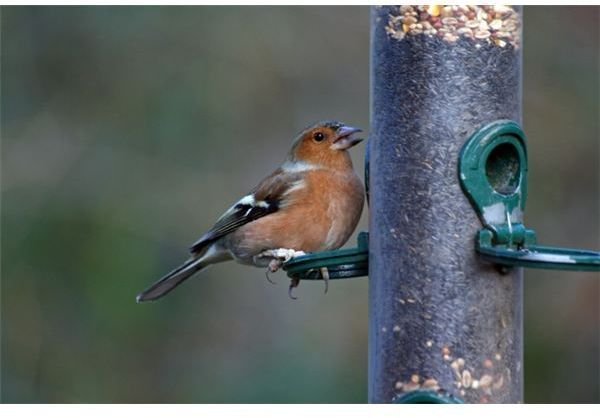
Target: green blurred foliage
[[126, 131], [561, 93]]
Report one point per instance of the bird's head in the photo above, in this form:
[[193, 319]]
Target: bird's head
[[325, 143]]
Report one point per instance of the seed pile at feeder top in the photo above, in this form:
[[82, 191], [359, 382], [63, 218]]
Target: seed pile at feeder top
[[498, 25]]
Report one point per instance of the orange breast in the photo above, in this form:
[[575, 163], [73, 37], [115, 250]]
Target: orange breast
[[322, 216]]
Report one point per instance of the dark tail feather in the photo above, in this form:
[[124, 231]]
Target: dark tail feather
[[171, 280]]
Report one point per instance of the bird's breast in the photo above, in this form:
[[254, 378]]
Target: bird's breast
[[345, 200], [321, 215]]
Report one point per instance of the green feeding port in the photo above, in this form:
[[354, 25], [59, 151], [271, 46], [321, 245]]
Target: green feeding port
[[493, 174]]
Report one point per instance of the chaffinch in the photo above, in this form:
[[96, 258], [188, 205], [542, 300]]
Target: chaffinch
[[312, 202]]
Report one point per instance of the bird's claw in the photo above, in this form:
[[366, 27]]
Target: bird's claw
[[279, 257], [325, 275], [267, 276], [274, 265], [293, 284]]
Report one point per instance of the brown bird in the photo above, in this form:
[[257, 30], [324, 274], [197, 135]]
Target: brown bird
[[312, 202]]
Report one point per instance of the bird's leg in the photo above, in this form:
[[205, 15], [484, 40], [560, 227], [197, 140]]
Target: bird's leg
[[278, 257]]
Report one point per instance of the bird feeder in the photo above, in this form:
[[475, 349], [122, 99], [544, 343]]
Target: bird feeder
[[446, 175]]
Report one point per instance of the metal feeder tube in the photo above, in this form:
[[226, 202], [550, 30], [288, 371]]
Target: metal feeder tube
[[441, 319]]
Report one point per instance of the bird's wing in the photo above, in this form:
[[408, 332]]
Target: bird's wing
[[268, 197]]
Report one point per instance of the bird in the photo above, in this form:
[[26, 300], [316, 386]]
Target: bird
[[312, 202]]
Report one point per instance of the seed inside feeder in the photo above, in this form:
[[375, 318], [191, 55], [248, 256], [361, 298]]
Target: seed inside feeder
[[486, 23]]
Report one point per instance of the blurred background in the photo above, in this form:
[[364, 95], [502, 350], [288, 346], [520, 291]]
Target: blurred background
[[127, 131]]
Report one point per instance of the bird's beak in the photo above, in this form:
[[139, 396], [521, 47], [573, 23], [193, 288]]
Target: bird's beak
[[345, 138]]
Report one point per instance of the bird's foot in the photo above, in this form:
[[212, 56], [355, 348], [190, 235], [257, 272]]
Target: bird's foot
[[324, 275], [295, 282], [279, 257]]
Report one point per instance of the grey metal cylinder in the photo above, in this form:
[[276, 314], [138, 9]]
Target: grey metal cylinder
[[441, 320]]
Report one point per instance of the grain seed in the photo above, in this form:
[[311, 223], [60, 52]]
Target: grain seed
[[466, 379]]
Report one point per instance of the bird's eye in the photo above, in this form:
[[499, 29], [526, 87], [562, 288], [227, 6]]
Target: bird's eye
[[318, 136]]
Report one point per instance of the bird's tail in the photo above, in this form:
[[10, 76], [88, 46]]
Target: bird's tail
[[173, 279]]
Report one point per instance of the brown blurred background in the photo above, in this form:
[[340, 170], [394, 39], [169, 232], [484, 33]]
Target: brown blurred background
[[127, 131]]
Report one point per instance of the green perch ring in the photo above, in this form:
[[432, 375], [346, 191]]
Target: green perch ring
[[340, 264]]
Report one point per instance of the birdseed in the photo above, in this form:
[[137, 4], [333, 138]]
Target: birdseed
[[490, 23]]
